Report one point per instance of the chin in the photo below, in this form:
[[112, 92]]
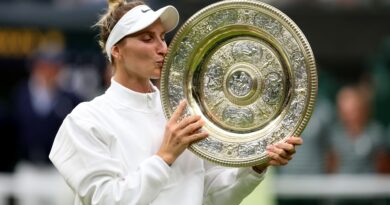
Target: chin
[[156, 74]]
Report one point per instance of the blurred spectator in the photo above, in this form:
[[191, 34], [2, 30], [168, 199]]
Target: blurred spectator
[[357, 140], [40, 106]]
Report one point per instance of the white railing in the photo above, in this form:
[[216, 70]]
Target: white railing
[[29, 188], [285, 186], [332, 186], [6, 187]]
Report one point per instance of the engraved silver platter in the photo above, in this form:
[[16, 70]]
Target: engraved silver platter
[[248, 70]]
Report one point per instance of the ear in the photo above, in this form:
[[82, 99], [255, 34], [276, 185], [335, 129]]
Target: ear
[[115, 52]]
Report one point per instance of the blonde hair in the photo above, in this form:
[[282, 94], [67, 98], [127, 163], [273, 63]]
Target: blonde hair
[[116, 9]]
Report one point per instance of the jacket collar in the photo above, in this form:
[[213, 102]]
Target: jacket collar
[[145, 102]]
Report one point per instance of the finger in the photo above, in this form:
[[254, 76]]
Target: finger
[[281, 152], [294, 140], [191, 128], [288, 148], [178, 112], [187, 121], [276, 159], [196, 136]]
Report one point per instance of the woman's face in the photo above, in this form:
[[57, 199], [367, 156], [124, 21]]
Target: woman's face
[[140, 56]]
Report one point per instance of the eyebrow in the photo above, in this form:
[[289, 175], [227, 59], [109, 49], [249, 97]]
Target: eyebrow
[[142, 32], [150, 32]]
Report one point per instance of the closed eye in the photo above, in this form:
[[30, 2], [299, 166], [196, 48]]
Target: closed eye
[[147, 37]]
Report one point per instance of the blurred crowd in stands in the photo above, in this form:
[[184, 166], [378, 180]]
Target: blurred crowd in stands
[[349, 132], [31, 117]]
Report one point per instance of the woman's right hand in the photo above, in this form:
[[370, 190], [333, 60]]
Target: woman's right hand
[[180, 134]]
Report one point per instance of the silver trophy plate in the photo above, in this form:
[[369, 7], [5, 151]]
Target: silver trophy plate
[[248, 70]]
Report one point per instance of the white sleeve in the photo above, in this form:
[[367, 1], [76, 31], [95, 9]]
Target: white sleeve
[[229, 186], [81, 154]]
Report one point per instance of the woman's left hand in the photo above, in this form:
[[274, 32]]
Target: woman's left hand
[[280, 153]]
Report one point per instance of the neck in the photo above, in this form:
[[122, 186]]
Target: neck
[[137, 85]]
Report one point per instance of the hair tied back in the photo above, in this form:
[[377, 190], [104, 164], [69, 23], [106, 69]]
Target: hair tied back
[[113, 4]]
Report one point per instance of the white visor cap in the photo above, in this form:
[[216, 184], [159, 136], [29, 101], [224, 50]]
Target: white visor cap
[[139, 18]]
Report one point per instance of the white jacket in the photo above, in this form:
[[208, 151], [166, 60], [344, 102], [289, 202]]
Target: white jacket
[[105, 150]]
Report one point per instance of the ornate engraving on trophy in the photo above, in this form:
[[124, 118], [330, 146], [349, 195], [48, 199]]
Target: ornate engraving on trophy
[[228, 16], [263, 111], [176, 78], [224, 17], [248, 149], [178, 62], [223, 57], [246, 16], [273, 88], [211, 145], [289, 120], [237, 116], [175, 95], [240, 83], [237, 70], [295, 111], [195, 35], [186, 47], [270, 64], [214, 78], [297, 107], [297, 60], [230, 149], [269, 24], [247, 51]]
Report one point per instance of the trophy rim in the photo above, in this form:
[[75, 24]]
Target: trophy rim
[[312, 84]]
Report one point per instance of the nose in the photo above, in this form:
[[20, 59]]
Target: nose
[[162, 48]]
